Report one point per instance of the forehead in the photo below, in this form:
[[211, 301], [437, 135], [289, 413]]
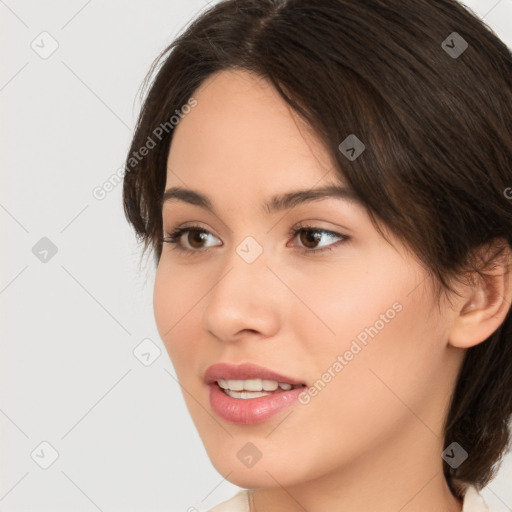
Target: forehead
[[242, 134]]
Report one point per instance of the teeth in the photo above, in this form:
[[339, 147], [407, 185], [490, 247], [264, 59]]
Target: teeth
[[246, 394], [270, 385], [253, 385]]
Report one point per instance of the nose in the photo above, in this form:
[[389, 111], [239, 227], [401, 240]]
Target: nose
[[246, 300]]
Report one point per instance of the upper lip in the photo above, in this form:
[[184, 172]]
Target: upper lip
[[245, 371]]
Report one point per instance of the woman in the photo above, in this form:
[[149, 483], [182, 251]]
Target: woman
[[326, 189]]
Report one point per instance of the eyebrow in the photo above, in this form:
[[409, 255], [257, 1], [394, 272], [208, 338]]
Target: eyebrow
[[275, 204]]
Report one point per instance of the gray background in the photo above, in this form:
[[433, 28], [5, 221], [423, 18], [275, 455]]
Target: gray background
[[72, 320]]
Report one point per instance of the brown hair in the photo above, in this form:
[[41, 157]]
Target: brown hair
[[437, 127]]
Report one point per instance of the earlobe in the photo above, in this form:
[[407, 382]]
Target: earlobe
[[484, 307]]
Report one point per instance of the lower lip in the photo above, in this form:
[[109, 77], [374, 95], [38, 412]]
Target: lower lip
[[250, 411]]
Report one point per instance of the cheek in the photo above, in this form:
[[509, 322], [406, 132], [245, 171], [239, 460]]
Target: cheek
[[353, 299], [379, 336], [390, 353]]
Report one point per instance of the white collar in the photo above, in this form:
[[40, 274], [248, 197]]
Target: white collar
[[472, 501]]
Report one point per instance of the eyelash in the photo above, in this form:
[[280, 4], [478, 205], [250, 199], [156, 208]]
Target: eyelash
[[174, 238]]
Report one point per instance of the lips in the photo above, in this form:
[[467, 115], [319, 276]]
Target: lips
[[245, 371], [246, 407]]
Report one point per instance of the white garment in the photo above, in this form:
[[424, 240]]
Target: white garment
[[472, 502]]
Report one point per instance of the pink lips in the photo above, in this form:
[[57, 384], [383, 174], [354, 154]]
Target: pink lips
[[252, 410]]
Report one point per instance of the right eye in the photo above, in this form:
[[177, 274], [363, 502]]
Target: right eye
[[193, 243]]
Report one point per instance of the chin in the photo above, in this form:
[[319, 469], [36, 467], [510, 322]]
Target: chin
[[252, 478], [267, 472]]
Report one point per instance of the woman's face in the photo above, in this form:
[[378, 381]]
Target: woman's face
[[353, 318]]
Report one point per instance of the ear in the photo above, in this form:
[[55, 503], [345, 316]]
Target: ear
[[484, 303]]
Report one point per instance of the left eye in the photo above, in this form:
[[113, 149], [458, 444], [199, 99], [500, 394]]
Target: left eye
[[309, 237]]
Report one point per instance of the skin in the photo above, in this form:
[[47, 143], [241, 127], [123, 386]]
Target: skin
[[372, 438]]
